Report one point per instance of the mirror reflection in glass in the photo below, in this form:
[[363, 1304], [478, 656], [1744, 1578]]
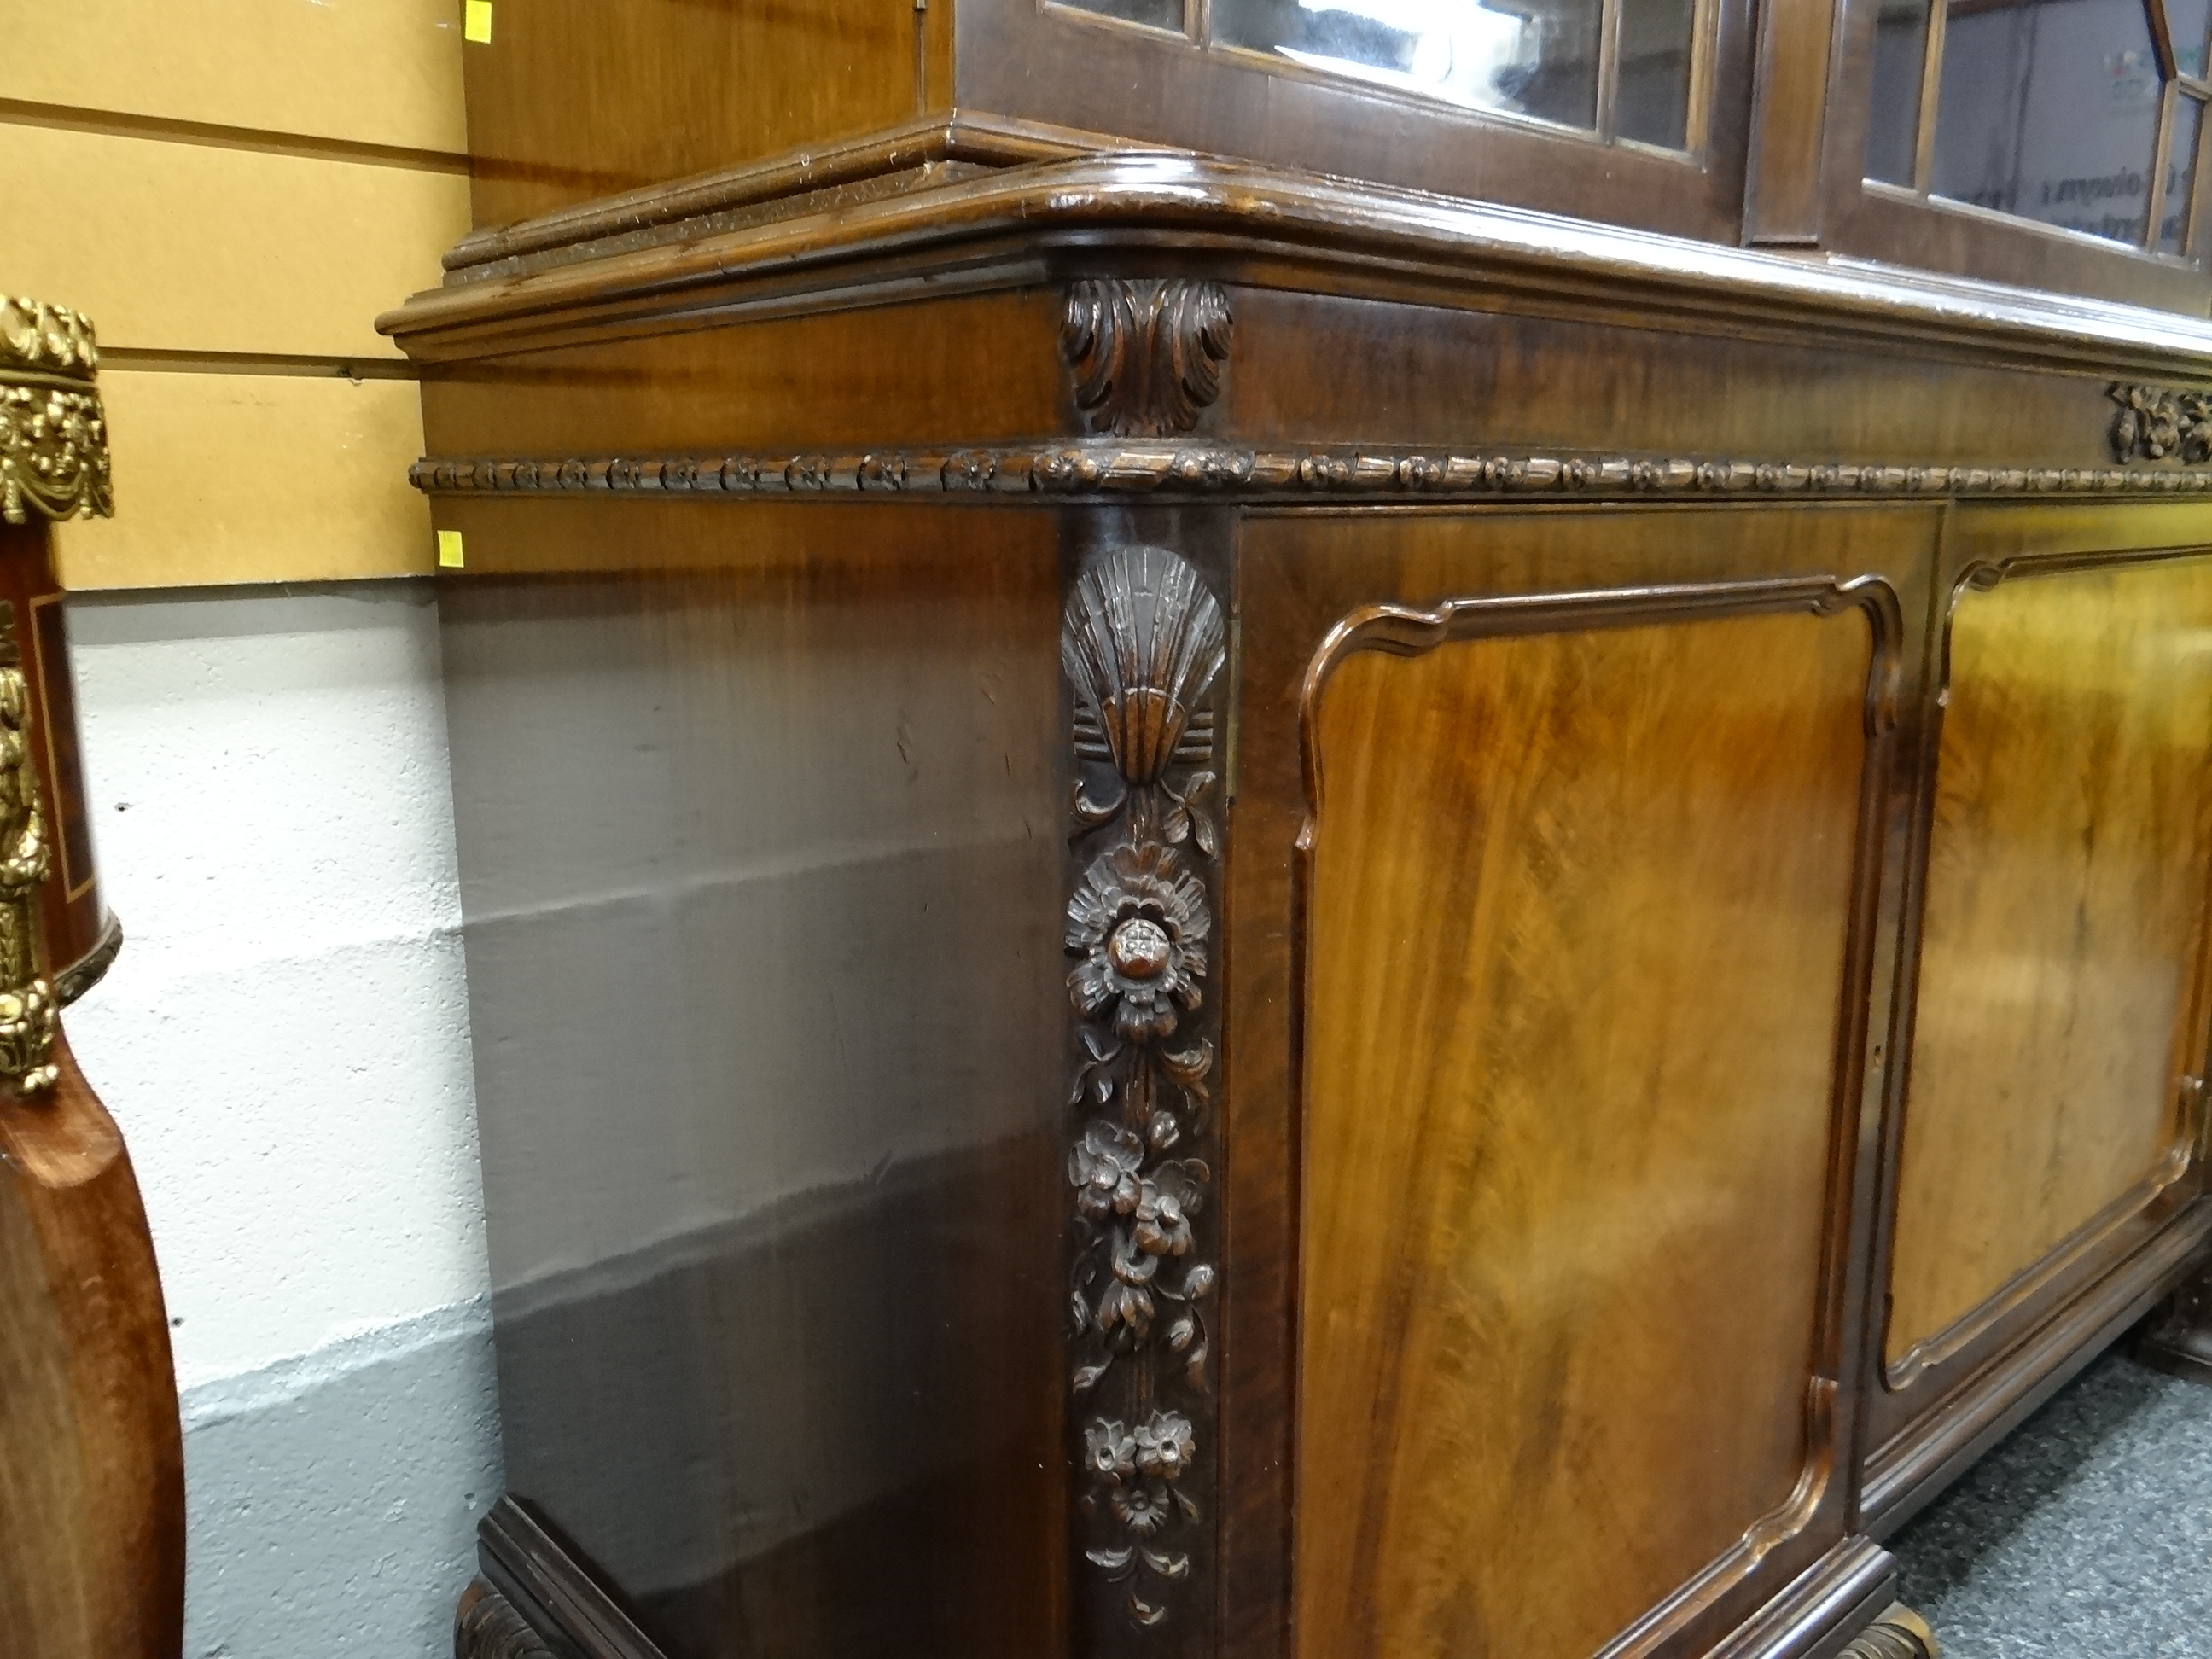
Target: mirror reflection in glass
[[2049, 109], [2180, 175], [1156, 14], [2187, 19], [1653, 104], [1900, 53], [1536, 58]]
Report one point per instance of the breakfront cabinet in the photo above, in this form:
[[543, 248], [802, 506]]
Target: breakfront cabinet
[[1355, 829]]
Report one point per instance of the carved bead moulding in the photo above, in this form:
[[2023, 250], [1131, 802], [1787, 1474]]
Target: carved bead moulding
[[2161, 424], [53, 432], [1191, 467], [1147, 356], [1142, 642]]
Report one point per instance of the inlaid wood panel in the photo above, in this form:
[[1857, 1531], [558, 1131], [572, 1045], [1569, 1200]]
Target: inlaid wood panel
[[1580, 915], [2064, 898]]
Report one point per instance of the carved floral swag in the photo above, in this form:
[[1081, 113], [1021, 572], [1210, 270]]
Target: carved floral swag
[[1143, 643]]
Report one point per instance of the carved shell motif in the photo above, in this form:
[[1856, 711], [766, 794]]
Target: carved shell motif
[[1143, 642]]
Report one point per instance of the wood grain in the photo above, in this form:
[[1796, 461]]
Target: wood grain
[[253, 477], [576, 99], [1580, 909], [92, 1547], [2065, 895]]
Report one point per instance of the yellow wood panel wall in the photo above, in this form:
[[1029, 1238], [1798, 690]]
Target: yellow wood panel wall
[[384, 72], [231, 189]]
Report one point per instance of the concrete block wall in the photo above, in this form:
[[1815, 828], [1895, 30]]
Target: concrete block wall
[[285, 1042]]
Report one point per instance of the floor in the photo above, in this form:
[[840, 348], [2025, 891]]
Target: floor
[[2088, 1532]]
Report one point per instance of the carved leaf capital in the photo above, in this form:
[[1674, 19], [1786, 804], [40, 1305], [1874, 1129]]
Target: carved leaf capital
[[1147, 356]]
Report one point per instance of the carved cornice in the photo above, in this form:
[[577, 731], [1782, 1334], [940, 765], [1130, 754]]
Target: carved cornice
[[53, 433], [1195, 467], [1147, 356], [1008, 228], [2157, 423], [1142, 643]]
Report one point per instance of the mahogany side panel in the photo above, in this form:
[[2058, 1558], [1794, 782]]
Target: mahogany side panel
[[760, 846], [575, 99]]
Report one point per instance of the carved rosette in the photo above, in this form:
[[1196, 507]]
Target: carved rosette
[[2156, 424], [53, 433], [1147, 356], [1143, 643]]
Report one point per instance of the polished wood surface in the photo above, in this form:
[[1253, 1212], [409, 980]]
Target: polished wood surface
[[2059, 977], [92, 1521], [781, 810], [649, 90], [1580, 910]]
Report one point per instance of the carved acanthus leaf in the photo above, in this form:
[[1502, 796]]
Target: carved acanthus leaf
[[2158, 423], [1148, 355]]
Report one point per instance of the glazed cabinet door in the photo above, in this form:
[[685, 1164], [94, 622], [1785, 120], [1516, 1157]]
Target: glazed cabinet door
[[2046, 1140], [1562, 838]]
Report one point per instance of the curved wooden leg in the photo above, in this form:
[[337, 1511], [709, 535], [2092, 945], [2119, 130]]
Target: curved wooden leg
[[92, 1494]]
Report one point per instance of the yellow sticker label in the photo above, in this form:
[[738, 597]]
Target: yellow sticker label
[[476, 21], [449, 549]]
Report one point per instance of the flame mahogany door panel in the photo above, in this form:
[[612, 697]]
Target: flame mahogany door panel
[[2051, 1107], [1573, 824]]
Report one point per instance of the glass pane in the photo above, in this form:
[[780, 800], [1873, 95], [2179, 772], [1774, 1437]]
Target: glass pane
[[1526, 56], [1653, 103], [1159, 14], [2049, 109], [2180, 174], [2187, 19], [1900, 50]]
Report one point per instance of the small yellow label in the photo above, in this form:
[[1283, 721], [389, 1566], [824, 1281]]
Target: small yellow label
[[449, 549], [476, 21]]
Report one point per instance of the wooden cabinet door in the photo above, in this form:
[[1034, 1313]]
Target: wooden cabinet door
[[2046, 1139], [1561, 849]]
